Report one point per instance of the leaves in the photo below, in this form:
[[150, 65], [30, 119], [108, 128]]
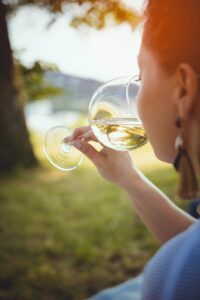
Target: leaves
[[33, 82], [99, 13]]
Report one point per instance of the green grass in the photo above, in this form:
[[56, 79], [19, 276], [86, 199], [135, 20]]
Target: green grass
[[68, 235]]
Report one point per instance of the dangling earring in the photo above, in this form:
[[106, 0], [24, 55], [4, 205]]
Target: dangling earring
[[187, 186]]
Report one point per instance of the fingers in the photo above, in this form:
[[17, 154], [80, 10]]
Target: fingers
[[108, 152], [82, 133], [88, 150], [88, 136], [81, 138]]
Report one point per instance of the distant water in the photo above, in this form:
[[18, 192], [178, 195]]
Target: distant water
[[40, 116]]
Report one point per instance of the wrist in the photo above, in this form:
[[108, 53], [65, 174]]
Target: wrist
[[133, 181]]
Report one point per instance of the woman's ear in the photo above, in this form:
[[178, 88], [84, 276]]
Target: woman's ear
[[186, 89]]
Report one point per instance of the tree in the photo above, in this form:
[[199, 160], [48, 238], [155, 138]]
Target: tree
[[15, 146], [33, 84]]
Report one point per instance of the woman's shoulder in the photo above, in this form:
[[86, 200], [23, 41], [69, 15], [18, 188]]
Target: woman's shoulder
[[183, 241], [182, 245]]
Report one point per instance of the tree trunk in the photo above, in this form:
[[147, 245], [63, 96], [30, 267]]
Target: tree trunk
[[15, 147]]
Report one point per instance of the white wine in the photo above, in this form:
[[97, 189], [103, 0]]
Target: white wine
[[120, 134]]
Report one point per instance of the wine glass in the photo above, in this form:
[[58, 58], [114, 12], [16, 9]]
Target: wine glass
[[113, 118], [113, 114]]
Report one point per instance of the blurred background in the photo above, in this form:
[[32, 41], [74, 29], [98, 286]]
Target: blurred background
[[65, 235]]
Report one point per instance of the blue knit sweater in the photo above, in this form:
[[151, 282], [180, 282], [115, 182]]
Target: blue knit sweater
[[174, 272]]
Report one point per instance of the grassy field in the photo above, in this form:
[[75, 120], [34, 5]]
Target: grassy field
[[68, 235]]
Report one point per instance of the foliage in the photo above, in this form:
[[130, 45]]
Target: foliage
[[32, 83], [94, 13]]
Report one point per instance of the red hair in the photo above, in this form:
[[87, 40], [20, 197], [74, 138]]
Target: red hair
[[172, 31]]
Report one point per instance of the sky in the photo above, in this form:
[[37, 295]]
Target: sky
[[102, 55]]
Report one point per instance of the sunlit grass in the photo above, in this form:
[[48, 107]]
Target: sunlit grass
[[68, 235]]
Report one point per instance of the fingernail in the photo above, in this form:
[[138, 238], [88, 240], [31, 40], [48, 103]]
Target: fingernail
[[67, 139], [77, 144]]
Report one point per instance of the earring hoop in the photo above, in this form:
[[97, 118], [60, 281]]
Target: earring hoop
[[187, 185]]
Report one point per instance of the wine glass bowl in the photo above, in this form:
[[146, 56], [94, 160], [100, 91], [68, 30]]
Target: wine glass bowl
[[113, 115]]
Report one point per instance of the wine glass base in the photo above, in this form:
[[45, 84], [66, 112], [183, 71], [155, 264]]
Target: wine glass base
[[64, 156]]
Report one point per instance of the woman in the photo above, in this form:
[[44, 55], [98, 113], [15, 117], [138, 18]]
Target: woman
[[169, 107]]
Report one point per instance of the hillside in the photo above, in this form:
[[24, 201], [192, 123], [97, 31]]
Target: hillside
[[77, 91]]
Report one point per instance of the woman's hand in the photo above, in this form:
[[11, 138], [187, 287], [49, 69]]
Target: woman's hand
[[115, 166]]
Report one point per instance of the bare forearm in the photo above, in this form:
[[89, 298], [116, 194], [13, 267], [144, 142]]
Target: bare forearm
[[161, 216]]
